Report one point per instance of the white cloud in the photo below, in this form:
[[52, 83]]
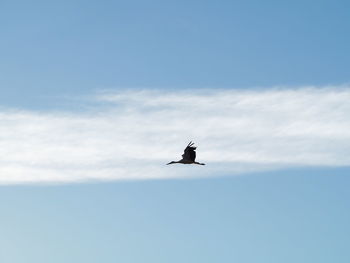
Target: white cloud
[[135, 133]]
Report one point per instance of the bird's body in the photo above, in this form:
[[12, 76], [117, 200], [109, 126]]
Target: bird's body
[[189, 156]]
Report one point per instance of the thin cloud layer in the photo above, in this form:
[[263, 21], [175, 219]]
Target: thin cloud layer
[[135, 133]]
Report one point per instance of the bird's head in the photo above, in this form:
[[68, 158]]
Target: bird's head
[[171, 162]]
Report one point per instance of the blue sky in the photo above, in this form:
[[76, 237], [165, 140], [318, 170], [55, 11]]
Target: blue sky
[[70, 47], [70, 78]]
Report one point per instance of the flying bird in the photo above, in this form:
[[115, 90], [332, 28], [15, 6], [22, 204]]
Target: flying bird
[[189, 156]]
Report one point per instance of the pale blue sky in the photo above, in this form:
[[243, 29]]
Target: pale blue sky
[[55, 52]]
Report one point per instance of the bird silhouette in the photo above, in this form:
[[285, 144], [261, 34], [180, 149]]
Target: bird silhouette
[[189, 156]]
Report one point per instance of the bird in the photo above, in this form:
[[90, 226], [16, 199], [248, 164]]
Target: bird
[[189, 156]]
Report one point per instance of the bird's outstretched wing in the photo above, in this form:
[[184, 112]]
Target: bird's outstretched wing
[[189, 153]]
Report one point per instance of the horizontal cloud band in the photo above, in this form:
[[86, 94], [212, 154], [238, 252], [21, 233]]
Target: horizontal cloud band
[[135, 133]]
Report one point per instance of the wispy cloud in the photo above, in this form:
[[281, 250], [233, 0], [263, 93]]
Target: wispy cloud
[[136, 132]]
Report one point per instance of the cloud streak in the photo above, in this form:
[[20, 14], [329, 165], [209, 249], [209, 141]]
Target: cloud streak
[[132, 134]]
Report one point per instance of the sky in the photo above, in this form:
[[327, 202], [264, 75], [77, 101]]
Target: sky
[[97, 96]]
